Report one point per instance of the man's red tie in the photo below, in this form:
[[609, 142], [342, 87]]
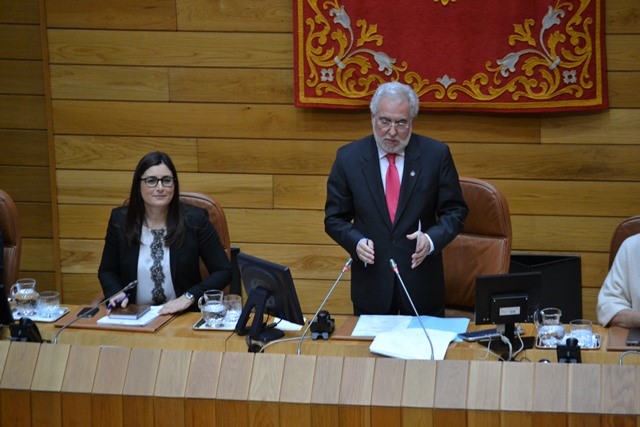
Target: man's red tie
[[393, 186]]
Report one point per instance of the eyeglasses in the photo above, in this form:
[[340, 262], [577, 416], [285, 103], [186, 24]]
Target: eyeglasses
[[385, 124], [152, 181]]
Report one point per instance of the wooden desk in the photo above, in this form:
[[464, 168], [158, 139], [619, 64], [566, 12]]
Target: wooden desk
[[179, 335], [166, 378]]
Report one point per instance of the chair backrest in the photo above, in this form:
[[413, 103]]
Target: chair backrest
[[10, 225], [216, 215], [626, 228], [483, 246]]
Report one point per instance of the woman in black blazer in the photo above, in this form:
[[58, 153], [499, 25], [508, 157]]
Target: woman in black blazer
[[158, 241]]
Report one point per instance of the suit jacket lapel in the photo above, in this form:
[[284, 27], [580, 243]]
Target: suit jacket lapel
[[373, 179], [410, 176]]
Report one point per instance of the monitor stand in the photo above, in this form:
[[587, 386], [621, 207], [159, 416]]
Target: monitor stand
[[258, 331], [508, 330]]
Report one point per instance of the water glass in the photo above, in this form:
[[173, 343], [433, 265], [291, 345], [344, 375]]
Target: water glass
[[49, 306], [234, 308], [582, 330]]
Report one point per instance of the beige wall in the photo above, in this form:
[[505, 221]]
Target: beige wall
[[211, 83]]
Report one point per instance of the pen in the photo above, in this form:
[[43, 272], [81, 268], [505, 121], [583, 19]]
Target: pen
[[367, 243], [116, 302]]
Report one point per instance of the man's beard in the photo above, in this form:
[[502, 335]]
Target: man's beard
[[388, 148]]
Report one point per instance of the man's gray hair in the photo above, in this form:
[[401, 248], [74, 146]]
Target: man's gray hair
[[395, 90]]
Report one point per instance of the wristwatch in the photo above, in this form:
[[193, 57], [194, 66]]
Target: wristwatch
[[189, 296]]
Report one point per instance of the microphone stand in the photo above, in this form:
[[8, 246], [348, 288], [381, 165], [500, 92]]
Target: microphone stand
[[93, 309], [344, 270], [394, 267]]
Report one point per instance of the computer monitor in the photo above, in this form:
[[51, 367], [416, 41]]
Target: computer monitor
[[506, 299], [6, 316], [270, 291]]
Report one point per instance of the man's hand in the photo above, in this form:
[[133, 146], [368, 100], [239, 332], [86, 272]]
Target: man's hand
[[365, 251], [422, 247], [175, 305]]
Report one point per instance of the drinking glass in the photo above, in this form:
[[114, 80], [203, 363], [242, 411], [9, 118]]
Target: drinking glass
[[582, 330], [49, 306], [234, 308]]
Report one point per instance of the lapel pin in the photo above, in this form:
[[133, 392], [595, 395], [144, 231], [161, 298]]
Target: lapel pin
[[413, 173]]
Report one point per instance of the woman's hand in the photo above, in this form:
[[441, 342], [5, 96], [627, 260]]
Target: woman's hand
[[120, 300], [175, 305]]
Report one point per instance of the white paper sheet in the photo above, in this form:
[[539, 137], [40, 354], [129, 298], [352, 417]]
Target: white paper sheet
[[370, 325], [412, 343]]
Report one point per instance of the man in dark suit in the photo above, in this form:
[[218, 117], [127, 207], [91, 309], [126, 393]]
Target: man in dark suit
[[395, 195]]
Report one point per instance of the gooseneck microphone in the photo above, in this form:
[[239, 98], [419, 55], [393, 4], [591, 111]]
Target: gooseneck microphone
[[344, 270], [394, 267], [93, 309]]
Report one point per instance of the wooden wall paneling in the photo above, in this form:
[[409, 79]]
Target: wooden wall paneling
[[107, 82], [35, 220], [386, 394], [171, 384], [356, 387], [268, 122], [550, 160], [140, 381], [22, 111], [615, 126], [122, 153], [515, 394], [550, 390], [21, 42], [325, 393], [265, 387], [232, 407], [252, 15], [296, 390], [299, 192], [250, 191], [108, 385], [584, 401], [115, 14], [202, 383], [267, 226], [623, 51], [168, 48], [589, 198], [19, 12], [77, 385], [555, 233], [26, 184], [234, 85], [80, 288], [451, 392], [80, 256], [46, 399], [624, 89], [619, 19], [297, 157], [15, 384], [418, 392], [15, 142], [37, 255], [21, 77]]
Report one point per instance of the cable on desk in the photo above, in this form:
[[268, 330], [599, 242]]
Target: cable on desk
[[626, 353]]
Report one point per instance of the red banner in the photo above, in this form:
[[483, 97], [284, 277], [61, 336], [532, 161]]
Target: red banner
[[475, 55]]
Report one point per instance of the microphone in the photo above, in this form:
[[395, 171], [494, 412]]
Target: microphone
[[93, 309], [394, 267], [344, 270]]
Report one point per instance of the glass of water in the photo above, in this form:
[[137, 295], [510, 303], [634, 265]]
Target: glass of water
[[234, 308], [49, 305]]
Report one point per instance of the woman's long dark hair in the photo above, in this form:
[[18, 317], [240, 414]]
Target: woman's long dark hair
[[136, 212]]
